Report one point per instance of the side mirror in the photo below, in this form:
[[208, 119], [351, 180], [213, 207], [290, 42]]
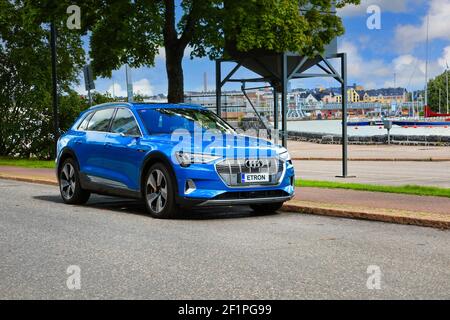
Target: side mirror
[[137, 137]]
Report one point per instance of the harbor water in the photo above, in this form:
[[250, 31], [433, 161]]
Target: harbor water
[[334, 127]]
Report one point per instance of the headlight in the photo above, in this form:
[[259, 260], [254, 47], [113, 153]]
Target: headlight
[[285, 156], [185, 159]]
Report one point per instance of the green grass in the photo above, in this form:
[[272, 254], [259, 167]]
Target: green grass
[[27, 163], [406, 189]]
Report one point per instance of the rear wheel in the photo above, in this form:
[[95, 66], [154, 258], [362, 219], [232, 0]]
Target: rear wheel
[[267, 207], [159, 193], [69, 184]]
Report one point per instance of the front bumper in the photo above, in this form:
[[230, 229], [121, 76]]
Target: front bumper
[[235, 202], [212, 191]]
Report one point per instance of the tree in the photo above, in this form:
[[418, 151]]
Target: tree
[[434, 86], [133, 31], [25, 79]]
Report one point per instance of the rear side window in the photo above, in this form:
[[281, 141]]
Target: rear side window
[[125, 123], [100, 120], [84, 123]]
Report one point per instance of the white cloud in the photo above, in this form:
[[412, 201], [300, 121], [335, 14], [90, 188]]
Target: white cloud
[[364, 71], [408, 36], [80, 88], [141, 87], [396, 6], [408, 69], [116, 90], [444, 62], [162, 53]]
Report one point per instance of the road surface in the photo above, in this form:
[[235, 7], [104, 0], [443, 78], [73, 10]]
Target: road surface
[[210, 254]]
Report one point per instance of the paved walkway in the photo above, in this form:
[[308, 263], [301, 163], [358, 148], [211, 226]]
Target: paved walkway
[[29, 174], [306, 150], [375, 200]]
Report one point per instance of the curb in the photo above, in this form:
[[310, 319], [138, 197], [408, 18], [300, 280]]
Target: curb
[[51, 182], [373, 159], [421, 219], [439, 221]]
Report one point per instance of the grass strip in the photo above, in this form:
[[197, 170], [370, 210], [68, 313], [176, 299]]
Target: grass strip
[[406, 189]]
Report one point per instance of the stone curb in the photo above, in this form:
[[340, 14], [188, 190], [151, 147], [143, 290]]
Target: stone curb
[[422, 219], [39, 180]]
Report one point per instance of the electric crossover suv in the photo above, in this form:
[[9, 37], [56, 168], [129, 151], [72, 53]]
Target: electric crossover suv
[[171, 156]]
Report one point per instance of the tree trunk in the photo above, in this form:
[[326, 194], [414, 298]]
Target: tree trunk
[[175, 47], [174, 68]]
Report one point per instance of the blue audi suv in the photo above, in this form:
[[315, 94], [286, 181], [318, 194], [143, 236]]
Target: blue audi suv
[[171, 156]]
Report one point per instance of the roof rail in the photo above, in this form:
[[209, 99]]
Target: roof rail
[[106, 104]]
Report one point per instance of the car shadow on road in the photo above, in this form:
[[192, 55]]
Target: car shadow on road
[[138, 208]]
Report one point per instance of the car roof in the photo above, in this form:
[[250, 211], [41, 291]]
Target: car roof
[[143, 105]]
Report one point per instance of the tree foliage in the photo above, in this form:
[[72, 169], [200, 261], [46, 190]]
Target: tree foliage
[[436, 86], [133, 31], [25, 80]]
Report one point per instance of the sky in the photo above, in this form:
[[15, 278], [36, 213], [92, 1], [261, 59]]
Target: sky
[[394, 54]]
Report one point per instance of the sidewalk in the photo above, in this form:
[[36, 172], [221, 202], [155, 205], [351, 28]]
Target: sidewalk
[[312, 151], [394, 208]]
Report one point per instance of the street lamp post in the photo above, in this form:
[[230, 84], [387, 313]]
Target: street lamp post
[[440, 100], [426, 63], [446, 74], [54, 84]]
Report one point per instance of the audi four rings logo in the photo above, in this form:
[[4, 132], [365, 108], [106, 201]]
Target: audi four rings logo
[[254, 164]]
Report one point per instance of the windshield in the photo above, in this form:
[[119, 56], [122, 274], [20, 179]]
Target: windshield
[[168, 120]]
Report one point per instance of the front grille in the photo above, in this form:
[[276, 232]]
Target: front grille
[[251, 195], [230, 171]]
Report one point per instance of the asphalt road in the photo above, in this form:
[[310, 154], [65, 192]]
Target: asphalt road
[[210, 254]]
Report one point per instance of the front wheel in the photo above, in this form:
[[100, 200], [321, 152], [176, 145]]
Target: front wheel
[[69, 184], [159, 193], [267, 207]]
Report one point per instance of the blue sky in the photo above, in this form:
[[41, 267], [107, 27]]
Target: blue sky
[[374, 56]]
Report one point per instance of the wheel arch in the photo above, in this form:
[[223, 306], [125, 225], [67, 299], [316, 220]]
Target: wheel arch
[[150, 160], [65, 154]]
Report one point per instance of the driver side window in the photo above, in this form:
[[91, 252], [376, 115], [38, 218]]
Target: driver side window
[[125, 123]]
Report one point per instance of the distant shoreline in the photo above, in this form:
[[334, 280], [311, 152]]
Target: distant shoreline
[[411, 140]]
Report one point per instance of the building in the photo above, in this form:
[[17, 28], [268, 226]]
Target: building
[[385, 95]]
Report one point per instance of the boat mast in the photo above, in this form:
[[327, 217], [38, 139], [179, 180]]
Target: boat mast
[[426, 63]]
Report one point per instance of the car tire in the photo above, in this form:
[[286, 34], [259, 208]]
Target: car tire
[[69, 183], [159, 193], [267, 207]]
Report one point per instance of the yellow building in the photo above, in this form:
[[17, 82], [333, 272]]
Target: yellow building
[[352, 95]]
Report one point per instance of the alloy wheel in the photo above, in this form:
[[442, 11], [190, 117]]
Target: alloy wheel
[[67, 181], [157, 191]]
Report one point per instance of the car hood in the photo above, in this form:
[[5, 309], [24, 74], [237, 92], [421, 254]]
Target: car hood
[[227, 145]]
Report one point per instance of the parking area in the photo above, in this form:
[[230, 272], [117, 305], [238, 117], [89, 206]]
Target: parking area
[[208, 254]]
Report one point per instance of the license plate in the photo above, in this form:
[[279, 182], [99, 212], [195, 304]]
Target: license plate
[[255, 177]]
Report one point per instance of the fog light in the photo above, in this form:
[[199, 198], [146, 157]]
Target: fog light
[[189, 187]]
